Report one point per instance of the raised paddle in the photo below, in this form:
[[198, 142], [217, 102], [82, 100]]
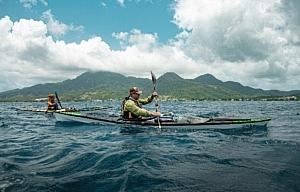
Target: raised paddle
[[153, 77], [58, 100]]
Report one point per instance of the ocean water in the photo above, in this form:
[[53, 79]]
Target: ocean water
[[38, 154]]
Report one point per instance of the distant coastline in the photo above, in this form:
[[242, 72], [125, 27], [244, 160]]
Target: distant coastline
[[107, 85]]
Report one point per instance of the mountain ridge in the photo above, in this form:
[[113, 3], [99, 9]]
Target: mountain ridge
[[109, 85]]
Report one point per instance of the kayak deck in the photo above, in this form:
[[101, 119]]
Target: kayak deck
[[182, 122]]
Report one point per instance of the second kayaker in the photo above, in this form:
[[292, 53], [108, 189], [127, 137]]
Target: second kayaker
[[52, 105], [132, 105]]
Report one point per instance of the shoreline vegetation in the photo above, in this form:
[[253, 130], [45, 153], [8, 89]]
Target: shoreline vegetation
[[162, 98]]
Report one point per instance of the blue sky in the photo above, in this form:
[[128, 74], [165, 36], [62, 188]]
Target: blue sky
[[101, 17], [254, 42]]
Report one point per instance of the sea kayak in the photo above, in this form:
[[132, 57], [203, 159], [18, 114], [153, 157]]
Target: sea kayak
[[47, 111], [63, 110], [164, 122]]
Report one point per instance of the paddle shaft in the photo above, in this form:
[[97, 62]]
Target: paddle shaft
[[156, 103], [58, 100], [154, 89]]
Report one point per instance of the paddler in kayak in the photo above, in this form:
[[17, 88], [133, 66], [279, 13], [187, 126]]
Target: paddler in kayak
[[132, 105], [52, 105]]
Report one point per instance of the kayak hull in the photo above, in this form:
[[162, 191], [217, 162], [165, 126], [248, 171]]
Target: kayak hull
[[185, 123], [74, 117]]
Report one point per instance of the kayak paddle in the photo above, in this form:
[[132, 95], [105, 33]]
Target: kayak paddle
[[153, 77], [58, 100]]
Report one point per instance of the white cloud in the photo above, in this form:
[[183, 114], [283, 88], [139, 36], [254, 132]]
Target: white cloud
[[249, 41], [121, 2], [136, 38], [255, 41], [31, 56], [31, 3], [56, 27], [103, 4]]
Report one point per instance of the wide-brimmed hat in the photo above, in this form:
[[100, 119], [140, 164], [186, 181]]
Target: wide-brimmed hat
[[135, 90]]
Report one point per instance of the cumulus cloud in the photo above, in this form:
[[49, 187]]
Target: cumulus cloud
[[136, 38], [103, 4], [121, 2], [31, 3], [256, 41], [249, 41], [56, 27], [32, 56]]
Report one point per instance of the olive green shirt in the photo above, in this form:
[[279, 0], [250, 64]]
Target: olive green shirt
[[133, 107]]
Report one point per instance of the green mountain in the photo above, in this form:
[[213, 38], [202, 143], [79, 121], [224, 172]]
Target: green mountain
[[173, 86], [232, 86], [108, 85]]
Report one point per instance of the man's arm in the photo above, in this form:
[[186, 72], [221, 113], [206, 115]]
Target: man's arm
[[146, 100], [149, 99]]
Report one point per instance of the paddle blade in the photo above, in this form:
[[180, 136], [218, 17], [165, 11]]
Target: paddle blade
[[153, 78]]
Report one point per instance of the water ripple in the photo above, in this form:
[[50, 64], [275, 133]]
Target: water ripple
[[38, 154]]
